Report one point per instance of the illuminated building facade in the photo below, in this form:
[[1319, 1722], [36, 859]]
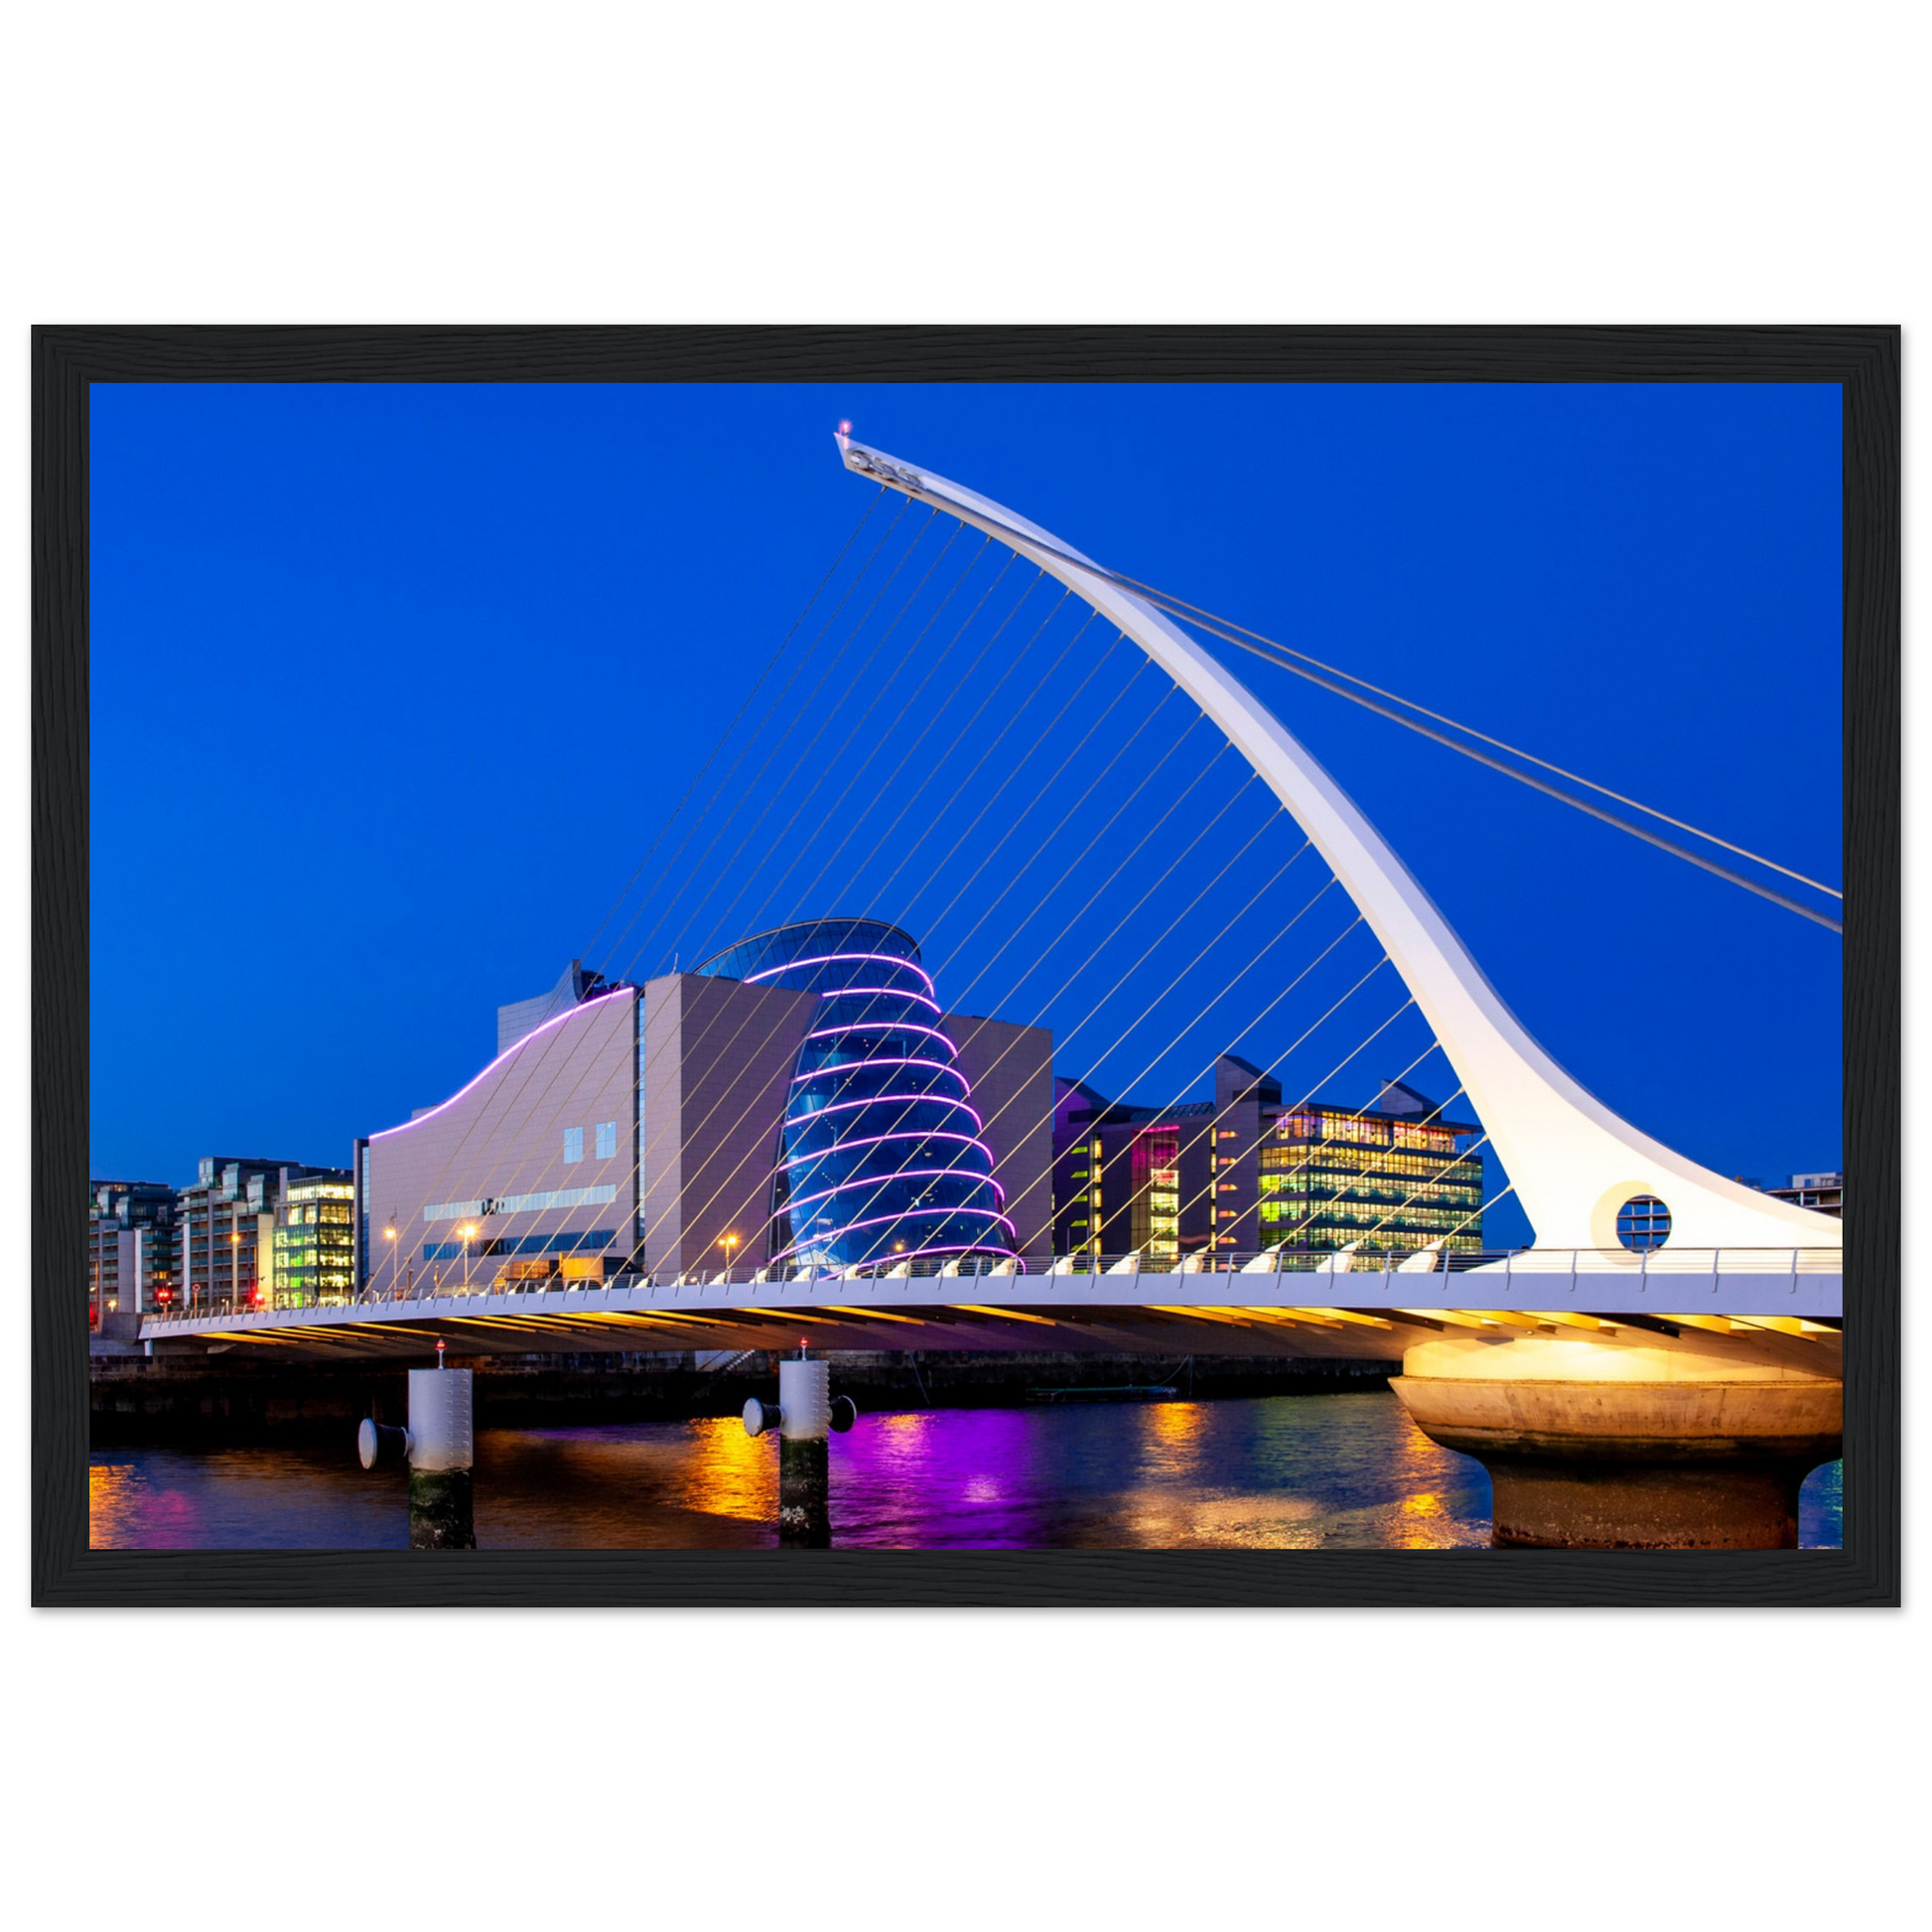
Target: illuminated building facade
[[130, 1248], [224, 1226], [798, 1101], [1244, 1172], [881, 1158], [312, 1259], [524, 1175]]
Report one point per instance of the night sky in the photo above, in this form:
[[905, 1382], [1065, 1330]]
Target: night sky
[[393, 689]]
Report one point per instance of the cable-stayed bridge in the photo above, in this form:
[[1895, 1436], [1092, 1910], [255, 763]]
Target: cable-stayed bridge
[[1726, 1335], [1254, 1305]]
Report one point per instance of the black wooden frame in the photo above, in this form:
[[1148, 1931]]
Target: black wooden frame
[[1865, 360]]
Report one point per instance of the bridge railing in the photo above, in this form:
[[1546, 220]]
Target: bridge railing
[[984, 1277]]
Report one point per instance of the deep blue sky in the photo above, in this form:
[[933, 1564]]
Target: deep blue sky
[[393, 687]]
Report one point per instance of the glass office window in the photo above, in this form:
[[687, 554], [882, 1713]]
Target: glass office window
[[573, 1144]]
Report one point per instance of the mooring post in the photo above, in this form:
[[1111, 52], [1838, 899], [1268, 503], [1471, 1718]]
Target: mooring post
[[440, 1448], [806, 1414], [442, 1455]]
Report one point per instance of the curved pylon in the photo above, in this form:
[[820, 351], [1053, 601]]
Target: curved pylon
[[1573, 1161]]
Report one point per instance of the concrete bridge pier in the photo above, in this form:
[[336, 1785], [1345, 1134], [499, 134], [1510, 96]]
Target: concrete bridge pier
[[1630, 1439]]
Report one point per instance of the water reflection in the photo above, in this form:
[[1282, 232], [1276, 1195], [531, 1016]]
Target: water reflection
[[1336, 1472]]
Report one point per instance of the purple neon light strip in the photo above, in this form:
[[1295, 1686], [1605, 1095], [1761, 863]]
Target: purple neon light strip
[[859, 1066], [881, 993], [881, 1027], [888, 1100], [886, 1220], [899, 1173], [838, 959], [873, 1140], [510, 1053], [913, 1214]]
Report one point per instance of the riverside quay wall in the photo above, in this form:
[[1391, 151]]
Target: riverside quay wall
[[172, 1400]]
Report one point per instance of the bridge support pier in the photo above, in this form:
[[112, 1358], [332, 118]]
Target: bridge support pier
[[1630, 1444], [441, 1455], [440, 1448], [805, 1415]]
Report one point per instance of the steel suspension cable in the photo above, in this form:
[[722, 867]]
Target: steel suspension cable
[[1211, 1191], [748, 742], [638, 1167], [738, 717], [1173, 864], [1381, 960], [1147, 952], [1415, 1194], [545, 1053], [772, 1032], [1279, 653], [905, 858], [528, 1074], [1435, 1045], [1066, 872]]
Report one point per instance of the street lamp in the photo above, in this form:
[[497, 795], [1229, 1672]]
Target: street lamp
[[234, 1268], [727, 1243], [469, 1233], [389, 1235]]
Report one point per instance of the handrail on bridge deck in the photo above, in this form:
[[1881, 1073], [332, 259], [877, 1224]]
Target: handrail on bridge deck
[[1497, 1266]]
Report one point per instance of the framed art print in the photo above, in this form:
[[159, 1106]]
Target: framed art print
[[966, 966]]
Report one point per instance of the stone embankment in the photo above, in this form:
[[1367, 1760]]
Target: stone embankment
[[179, 1400]]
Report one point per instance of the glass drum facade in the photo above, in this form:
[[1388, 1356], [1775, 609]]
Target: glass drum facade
[[880, 1156]]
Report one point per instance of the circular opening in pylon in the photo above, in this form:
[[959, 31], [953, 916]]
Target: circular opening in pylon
[[1643, 1221]]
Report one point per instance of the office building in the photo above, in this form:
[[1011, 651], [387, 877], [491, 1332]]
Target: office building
[[1244, 1171], [311, 1257], [130, 1248], [1823, 1191], [224, 1226]]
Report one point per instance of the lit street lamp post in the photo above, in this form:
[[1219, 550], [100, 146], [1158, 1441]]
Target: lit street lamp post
[[727, 1243], [395, 1256], [467, 1231]]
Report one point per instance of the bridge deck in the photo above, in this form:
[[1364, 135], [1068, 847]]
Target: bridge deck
[[1368, 1312]]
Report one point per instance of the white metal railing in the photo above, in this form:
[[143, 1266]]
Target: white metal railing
[[992, 1277]]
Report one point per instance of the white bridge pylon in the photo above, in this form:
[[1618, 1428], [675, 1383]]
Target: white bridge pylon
[[1574, 1161]]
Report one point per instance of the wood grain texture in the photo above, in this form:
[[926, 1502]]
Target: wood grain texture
[[1865, 360]]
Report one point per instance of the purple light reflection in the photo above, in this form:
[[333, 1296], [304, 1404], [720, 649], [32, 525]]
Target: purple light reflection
[[976, 1469]]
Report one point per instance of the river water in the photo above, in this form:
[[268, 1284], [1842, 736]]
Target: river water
[[1336, 1472]]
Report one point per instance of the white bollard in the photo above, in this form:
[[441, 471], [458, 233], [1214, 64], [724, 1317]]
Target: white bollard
[[805, 1416], [805, 1401], [442, 1436]]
